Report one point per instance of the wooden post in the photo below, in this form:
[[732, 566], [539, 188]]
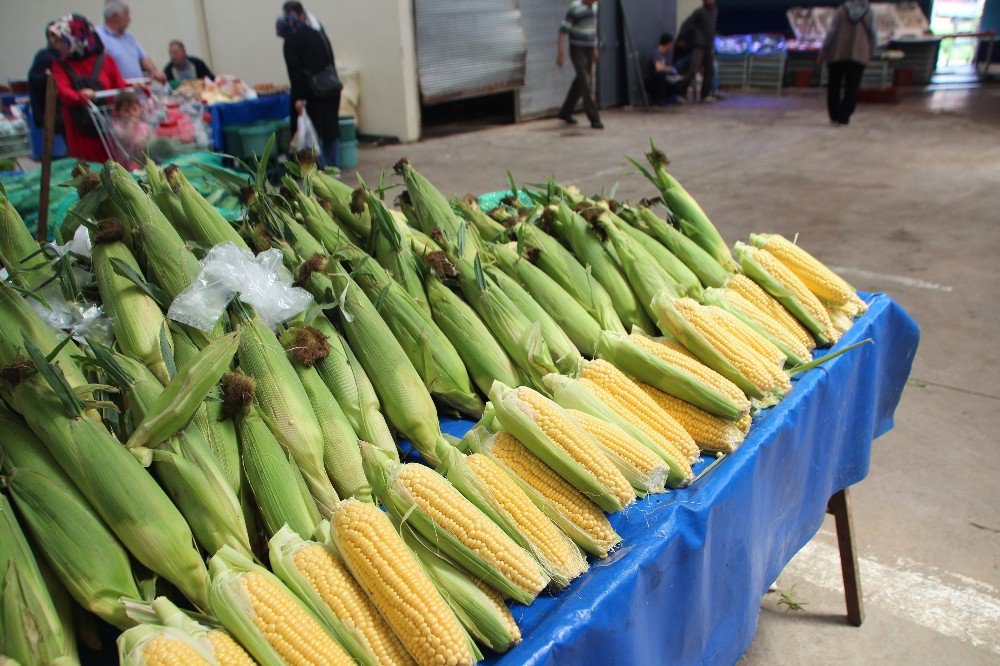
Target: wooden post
[[50, 130], [840, 506]]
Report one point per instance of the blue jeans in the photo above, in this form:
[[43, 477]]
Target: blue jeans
[[684, 64], [330, 155]]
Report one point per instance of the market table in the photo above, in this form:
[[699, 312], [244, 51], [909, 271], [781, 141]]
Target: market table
[[265, 107], [685, 585]]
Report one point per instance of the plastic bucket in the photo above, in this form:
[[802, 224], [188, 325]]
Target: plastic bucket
[[348, 154], [348, 128]]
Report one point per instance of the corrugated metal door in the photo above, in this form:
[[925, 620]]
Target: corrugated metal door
[[545, 85], [468, 48]]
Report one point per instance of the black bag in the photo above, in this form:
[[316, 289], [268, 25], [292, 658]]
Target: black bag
[[325, 83], [80, 114]]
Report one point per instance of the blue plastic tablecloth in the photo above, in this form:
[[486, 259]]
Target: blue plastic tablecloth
[[268, 107], [686, 583]]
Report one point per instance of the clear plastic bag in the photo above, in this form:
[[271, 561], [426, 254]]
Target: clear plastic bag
[[306, 136], [228, 270]]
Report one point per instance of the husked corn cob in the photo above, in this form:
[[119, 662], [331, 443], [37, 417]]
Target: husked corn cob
[[751, 291], [614, 439], [362, 535], [765, 321], [564, 504], [154, 645], [823, 282], [709, 432], [786, 277], [216, 642], [319, 578], [550, 433], [742, 331], [625, 395], [266, 617]]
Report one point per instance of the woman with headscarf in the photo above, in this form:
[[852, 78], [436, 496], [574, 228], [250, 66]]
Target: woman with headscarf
[[308, 53], [81, 69], [848, 47]]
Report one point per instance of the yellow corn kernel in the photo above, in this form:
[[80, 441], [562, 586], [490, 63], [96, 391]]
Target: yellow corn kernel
[[823, 282], [744, 423], [620, 442], [780, 332], [345, 597], [739, 329], [166, 651], [502, 610], [709, 431], [779, 272], [227, 651], [754, 293], [398, 585], [573, 504]]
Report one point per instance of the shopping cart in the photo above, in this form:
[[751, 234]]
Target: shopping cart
[[101, 113]]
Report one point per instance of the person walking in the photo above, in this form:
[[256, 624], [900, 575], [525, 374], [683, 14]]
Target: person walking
[[133, 61], [847, 49], [312, 75], [81, 70], [697, 35], [183, 67], [580, 29]]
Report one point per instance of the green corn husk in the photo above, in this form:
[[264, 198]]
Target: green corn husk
[[383, 472], [488, 228], [673, 325], [32, 631], [717, 298], [137, 320], [483, 356], [694, 223], [480, 440], [341, 454], [281, 554], [455, 468], [17, 247], [565, 355], [82, 552], [132, 642], [276, 483], [684, 277], [560, 264], [709, 271], [578, 236], [569, 393], [163, 196], [486, 619], [621, 352], [283, 404], [336, 193], [516, 420], [521, 338], [781, 293], [162, 611], [318, 222], [144, 518], [201, 222], [343, 375], [429, 350], [407, 403], [582, 329]]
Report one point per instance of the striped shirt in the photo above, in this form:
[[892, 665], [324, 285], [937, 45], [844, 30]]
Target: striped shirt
[[581, 24]]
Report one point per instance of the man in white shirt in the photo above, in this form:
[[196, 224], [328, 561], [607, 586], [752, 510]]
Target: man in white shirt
[[120, 44]]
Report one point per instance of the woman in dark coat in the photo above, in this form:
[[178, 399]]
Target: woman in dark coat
[[307, 52]]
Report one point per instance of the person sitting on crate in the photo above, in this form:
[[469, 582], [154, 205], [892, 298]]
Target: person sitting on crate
[[82, 69], [131, 129], [664, 83], [183, 67]]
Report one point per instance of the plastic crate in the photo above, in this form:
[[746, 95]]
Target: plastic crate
[[15, 145], [245, 141], [767, 71], [732, 71]]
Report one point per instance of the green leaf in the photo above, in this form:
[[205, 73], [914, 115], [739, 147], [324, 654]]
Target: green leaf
[[158, 295], [55, 378]]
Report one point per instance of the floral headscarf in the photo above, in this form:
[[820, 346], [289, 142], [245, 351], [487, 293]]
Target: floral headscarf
[[78, 33]]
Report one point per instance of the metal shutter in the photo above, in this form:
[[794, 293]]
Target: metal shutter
[[468, 48], [545, 85]]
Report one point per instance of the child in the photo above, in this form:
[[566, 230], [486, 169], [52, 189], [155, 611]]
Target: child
[[131, 130]]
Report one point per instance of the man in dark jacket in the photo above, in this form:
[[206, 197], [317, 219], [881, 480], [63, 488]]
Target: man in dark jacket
[[697, 34], [38, 77], [183, 67]]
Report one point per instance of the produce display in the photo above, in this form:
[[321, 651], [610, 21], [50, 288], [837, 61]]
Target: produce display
[[234, 489]]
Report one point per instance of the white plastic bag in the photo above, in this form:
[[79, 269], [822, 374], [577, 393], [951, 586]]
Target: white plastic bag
[[306, 137]]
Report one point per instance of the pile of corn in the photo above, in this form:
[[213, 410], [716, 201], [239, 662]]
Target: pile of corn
[[603, 348]]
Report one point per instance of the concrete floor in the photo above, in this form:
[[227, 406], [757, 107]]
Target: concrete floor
[[907, 201]]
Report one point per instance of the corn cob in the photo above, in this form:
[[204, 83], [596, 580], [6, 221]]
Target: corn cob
[[216, 642], [482, 354], [274, 479], [548, 431], [840, 322], [566, 506], [154, 645], [709, 432], [753, 292], [341, 455], [581, 328], [564, 353], [19, 252], [347, 381], [35, 632], [427, 501], [709, 271], [821, 281], [369, 545], [163, 196], [201, 222], [337, 194], [487, 485], [763, 323], [584, 396], [615, 440], [622, 394], [789, 290], [743, 332], [322, 581], [84, 554], [274, 625], [137, 320], [682, 276], [560, 264], [480, 609], [468, 207], [407, 403], [284, 405], [578, 236]]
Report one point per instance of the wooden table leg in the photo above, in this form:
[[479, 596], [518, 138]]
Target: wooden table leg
[[840, 506]]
